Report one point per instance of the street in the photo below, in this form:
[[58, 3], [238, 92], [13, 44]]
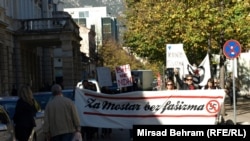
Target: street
[[242, 115], [117, 135]]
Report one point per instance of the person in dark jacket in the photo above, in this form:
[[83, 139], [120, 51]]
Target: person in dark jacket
[[187, 84], [88, 131], [106, 132], [25, 112], [231, 89], [210, 84]]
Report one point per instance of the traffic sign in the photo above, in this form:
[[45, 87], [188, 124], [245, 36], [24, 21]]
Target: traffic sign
[[232, 49]]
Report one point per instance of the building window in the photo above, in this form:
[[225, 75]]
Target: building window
[[106, 28], [81, 22], [83, 14], [106, 25]]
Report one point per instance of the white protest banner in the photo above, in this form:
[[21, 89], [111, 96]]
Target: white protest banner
[[176, 58], [202, 73], [104, 76], [205, 73], [183, 107], [123, 76]]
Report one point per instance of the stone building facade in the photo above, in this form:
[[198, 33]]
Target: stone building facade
[[28, 44]]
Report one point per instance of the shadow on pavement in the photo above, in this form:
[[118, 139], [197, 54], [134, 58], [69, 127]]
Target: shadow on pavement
[[242, 110]]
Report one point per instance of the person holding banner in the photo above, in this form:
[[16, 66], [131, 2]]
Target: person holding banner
[[85, 84], [88, 131], [187, 84], [217, 83], [210, 84], [170, 84]]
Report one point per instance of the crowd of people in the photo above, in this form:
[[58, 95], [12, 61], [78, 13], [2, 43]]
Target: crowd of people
[[188, 83], [212, 83], [62, 110]]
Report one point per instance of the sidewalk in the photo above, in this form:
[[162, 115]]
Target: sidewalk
[[242, 114]]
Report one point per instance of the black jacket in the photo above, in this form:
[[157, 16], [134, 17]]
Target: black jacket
[[24, 114], [183, 85]]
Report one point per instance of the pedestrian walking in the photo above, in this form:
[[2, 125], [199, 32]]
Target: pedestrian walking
[[25, 111], [14, 90], [231, 89], [61, 120]]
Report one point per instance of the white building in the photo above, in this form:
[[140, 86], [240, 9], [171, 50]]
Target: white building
[[89, 16]]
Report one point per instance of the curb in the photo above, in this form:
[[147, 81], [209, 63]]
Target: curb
[[243, 123]]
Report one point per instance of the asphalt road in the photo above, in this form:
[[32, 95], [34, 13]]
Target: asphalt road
[[117, 135], [241, 113]]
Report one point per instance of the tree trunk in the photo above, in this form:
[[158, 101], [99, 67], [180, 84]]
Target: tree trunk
[[222, 78]]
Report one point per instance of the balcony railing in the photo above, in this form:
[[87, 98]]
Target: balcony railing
[[43, 24], [49, 24]]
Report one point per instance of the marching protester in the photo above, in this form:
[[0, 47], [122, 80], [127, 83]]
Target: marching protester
[[61, 120], [85, 84], [187, 84], [25, 112], [87, 131], [170, 84], [210, 84], [230, 88], [217, 83], [106, 132]]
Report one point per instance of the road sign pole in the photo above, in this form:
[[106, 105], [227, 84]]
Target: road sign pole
[[232, 50], [234, 95]]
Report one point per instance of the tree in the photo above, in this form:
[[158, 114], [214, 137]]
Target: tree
[[202, 26], [151, 25], [111, 54]]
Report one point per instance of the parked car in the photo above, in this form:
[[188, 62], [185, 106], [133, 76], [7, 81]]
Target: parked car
[[6, 126], [43, 97], [9, 104], [69, 93]]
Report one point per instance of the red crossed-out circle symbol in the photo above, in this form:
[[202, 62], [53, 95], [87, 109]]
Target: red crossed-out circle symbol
[[232, 49], [213, 106]]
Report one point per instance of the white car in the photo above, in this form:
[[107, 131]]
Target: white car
[[98, 89]]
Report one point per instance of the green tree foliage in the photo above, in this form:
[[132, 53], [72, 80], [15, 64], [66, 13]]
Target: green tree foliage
[[151, 24], [112, 55]]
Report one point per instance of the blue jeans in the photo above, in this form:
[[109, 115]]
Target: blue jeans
[[63, 137]]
